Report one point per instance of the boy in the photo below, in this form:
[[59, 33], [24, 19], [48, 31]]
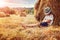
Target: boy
[[48, 19]]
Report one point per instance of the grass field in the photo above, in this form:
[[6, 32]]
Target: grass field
[[11, 29]]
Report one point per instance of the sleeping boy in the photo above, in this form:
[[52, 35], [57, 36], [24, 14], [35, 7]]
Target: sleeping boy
[[48, 19]]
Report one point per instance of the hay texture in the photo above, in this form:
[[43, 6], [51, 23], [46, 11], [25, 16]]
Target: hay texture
[[53, 4]]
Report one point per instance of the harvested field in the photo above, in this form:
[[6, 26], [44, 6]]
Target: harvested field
[[11, 29]]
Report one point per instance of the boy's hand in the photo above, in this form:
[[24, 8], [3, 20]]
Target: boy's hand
[[48, 21]]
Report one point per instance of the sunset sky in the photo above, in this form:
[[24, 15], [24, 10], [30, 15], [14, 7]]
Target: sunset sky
[[17, 3]]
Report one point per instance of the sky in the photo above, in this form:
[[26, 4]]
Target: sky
[[18, 3]]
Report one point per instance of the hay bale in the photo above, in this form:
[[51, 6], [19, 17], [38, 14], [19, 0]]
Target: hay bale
[[53, 4]]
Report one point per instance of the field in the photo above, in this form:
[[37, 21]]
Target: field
[[11, 29]]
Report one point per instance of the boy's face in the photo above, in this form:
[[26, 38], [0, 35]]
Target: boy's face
[[47, 12]]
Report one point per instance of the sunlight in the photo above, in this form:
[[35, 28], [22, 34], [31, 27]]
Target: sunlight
[[2, 3]]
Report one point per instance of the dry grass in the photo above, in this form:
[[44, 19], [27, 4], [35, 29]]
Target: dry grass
[[11, 29]]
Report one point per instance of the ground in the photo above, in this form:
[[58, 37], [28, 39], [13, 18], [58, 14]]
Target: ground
[[11, 29]]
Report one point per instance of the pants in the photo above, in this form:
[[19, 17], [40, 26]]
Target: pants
[[44, 24]]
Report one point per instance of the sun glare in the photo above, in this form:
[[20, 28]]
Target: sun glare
[[2, 3]]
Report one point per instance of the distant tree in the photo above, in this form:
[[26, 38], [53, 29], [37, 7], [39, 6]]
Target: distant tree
[[32, 11]]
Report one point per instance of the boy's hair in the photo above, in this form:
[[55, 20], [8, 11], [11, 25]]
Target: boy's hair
[[47, 10]]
